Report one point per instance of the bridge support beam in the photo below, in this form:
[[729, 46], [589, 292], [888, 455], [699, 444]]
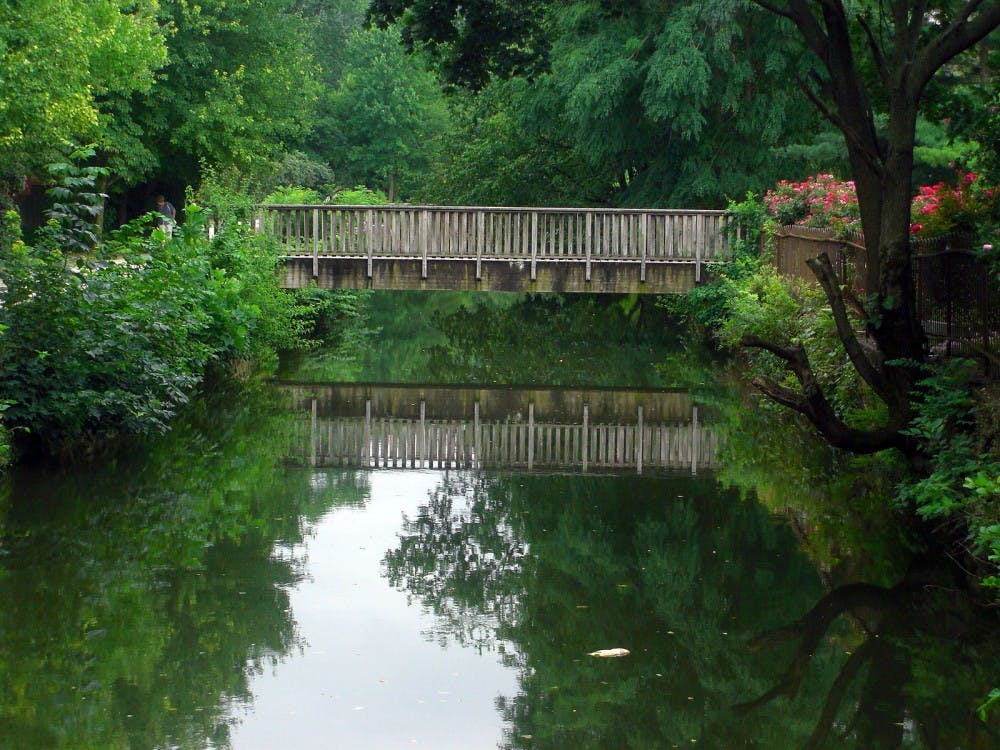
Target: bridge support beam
[[643, 276]]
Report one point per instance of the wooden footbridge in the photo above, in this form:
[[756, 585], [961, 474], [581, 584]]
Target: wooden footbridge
[[652, 251], [532, 430]]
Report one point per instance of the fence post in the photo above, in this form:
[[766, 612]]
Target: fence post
[[948, 295]]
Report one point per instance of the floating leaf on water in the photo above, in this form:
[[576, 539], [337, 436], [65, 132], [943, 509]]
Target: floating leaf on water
[[610, 653]]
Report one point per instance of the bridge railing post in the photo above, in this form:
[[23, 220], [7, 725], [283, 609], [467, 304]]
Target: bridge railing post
[[315, 238], [424, 233], [534, 244], [643, 242], [480, 239], [699, 243]]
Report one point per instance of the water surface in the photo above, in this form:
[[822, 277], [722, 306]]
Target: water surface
[[246, 581]]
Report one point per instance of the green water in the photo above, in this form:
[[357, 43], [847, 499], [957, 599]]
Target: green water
[[219, 588]]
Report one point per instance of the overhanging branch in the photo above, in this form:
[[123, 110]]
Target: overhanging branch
[[868, 371], [812, 403]]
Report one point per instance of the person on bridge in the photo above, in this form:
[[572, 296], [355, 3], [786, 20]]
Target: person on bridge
[[167, 214]]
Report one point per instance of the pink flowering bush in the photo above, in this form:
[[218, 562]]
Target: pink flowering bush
[[824, 202], [940, 208], [820, 201]]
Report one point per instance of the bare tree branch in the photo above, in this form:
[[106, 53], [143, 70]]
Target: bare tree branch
[[972, 23], [875, 50], [867, 369], [813, 404], [771, 7]]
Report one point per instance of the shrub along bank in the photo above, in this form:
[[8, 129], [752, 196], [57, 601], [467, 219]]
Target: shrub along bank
[[949, 488], [108, 338]]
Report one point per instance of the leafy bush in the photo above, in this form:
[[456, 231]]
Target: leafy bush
[[359, 196], [824, 202], [114, 341], [293, 195], [704, 306], [963, 483], [297, 168]]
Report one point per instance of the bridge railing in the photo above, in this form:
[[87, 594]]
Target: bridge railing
[[388, 443], [489, 233]]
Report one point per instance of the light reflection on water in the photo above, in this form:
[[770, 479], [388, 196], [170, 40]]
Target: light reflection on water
[[368, 675]]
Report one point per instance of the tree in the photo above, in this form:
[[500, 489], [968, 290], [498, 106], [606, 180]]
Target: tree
[[865, 67], [238, 86], [60, 60], [382, 121], [639, 104], [874, 57]]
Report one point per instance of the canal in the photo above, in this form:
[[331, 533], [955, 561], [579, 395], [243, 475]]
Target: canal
[[437, 543]]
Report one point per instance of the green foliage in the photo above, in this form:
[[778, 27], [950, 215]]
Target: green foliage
[[704, 307], [62, 61], [470, 41], [380, 126], [962, 483], [241, 85], [297, 168], [115, 341], [646, 104], [76, 202], [359, 196], [293, 195]]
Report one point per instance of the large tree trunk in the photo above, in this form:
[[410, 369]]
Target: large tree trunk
[[906, 45]]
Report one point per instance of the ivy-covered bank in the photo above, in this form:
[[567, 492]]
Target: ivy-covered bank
[[105, 337], [943, 485]]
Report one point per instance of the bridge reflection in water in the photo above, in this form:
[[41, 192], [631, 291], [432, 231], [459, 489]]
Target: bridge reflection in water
[[441, 427]]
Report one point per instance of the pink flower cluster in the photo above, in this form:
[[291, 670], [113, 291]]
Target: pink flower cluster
[[817, 201], [823, 201], [942, 208]]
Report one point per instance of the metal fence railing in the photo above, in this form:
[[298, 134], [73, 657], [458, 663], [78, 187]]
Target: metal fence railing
[[957, 293]]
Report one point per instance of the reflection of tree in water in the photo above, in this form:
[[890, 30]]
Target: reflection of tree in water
[[462, 557], [888, 693], [680, 581], [685, 576], [920, 654], [552, 340], [141, 599]]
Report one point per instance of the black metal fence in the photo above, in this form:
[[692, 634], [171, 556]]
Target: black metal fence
[[957, 291]]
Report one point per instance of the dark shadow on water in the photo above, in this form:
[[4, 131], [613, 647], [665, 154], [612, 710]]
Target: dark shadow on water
[[925, 626]]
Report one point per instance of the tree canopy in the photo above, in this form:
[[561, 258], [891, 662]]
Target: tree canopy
[[688, 85]]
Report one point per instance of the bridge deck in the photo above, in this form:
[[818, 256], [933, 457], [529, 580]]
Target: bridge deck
[[499, 249]]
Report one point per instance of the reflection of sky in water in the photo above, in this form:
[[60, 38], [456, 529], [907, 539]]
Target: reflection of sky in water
[[367, 677]]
